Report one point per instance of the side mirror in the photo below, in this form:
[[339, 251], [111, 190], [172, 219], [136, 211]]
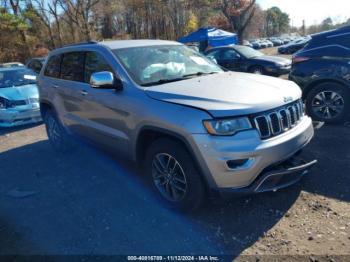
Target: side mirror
[[105, 80]]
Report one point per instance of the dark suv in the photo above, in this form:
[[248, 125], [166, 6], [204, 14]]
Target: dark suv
[[322, 70]]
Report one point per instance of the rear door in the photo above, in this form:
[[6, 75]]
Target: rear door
[[68, 89], [101, 111]]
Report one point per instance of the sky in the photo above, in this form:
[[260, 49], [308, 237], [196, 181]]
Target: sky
[[312, 11]]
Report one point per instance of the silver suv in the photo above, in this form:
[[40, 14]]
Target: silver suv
[[192, 126]]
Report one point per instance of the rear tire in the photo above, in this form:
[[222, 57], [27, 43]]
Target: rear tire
[[328, 102], [58, 137], [173, 175]]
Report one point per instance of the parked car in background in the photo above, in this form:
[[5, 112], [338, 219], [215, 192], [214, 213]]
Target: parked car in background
[[293, 46], [286, 40], [19, 97], [276, 41], [245, 59], [322, 69], [268, 42], [255, 44], [11, 64], [263, 44], [36, 64], [247, 43], [191, 126]]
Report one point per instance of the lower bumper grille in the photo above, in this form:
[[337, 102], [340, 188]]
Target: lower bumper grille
[[279, 120]]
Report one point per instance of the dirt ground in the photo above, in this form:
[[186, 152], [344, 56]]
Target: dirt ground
[[89, 202]]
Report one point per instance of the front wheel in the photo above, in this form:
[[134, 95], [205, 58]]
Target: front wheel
[[173, 175], [258, 70], [329, 103]]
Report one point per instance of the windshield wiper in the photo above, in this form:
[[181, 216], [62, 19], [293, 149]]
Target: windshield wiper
[[199, 74], [163, 81], [23, 84]]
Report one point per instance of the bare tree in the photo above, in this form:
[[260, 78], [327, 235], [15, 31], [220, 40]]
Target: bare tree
[[79, 13], [239, 14], [53, 9], [45, 17]]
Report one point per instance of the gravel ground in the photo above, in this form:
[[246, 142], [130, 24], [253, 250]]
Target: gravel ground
[[90, 202]]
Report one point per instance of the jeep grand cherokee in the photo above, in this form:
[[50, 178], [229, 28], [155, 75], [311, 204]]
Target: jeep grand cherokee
[[193, 127]]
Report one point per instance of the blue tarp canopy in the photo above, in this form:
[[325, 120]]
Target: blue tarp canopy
[[214, 36]]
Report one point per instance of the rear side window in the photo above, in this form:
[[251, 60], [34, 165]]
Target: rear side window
[[53, 66], [72, 67], [94, 62], [230, 54]]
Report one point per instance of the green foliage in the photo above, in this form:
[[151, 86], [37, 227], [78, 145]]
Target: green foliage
[[277, 22], [10, 22], [192, 24]]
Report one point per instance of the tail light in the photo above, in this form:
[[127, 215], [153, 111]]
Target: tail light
[[299, 59]]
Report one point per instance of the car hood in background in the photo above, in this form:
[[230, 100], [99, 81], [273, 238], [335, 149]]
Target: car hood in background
[[273, 59], [228, 94], [20, 92]]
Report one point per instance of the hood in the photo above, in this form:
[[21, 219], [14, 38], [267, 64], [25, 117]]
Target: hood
[[273, 59], [229, 93], [20, 92]]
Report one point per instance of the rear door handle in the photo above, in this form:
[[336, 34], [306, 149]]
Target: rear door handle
[[83, 92], [55, 86]]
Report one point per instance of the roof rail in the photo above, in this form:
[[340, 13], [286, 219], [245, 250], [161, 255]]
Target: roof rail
[[346, 27], [81, 43]]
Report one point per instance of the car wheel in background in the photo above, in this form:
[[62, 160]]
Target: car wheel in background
[[173, 175], [328, 102], [58, 137], [258, 70]]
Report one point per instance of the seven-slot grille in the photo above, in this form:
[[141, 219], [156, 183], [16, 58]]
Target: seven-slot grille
[[279, 120]]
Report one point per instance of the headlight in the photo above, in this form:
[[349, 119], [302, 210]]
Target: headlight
[[227, 127], [3, 103], [279, 64]]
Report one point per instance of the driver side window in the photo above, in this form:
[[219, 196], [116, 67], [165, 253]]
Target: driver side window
[[94, 62], [230, 54], [215, 55]]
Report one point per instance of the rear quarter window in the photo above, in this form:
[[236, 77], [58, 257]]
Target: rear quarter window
[[53, 66]]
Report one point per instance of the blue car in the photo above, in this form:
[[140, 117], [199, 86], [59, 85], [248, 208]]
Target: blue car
[[19, 97]]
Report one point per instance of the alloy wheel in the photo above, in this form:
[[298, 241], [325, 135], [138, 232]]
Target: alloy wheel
[[328, 104], [169, 177]]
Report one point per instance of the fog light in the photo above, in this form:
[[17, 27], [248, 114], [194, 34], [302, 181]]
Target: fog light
[[233, 164]]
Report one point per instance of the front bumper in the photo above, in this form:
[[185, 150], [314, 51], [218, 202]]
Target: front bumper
[[19, 116], [275, 177], [279, 70], [214, 152]]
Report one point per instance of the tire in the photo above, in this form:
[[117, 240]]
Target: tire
[[321, 107], [59, 139], [258, 70], [185, 175]]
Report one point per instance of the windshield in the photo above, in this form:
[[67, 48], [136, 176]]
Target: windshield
[[152, 65], [248, 52], [18, 77]]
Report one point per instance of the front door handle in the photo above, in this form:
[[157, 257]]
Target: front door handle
[[83, 92], [55, 86]]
